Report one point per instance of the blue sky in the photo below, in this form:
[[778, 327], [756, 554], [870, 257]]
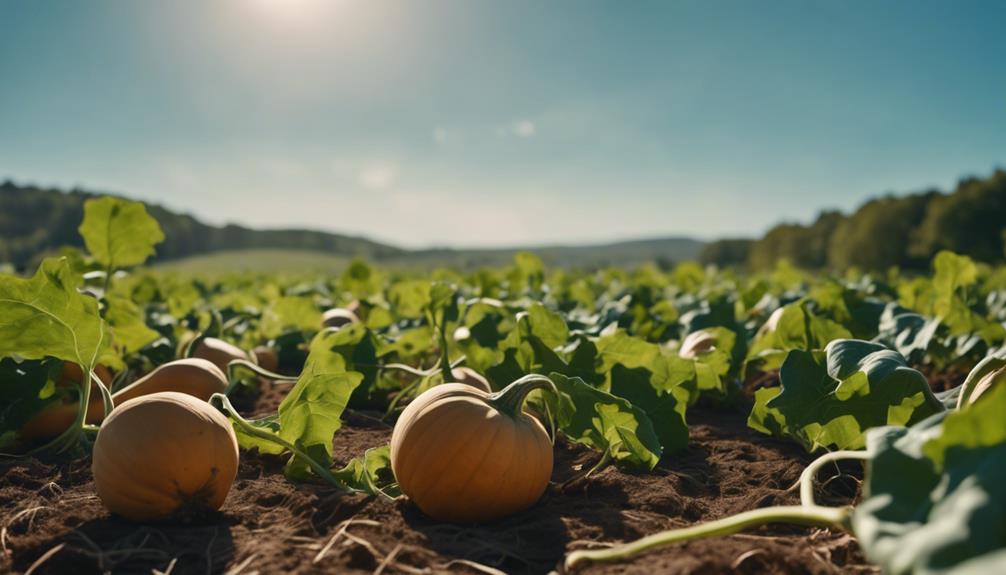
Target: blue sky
[[457, 122]]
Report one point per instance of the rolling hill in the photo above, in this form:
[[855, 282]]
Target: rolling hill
[[35, 221]]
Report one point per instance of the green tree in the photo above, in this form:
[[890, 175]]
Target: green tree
[[876, 237], [970, 221]]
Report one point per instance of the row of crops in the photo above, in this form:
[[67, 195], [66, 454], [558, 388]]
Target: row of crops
[[612, 360]]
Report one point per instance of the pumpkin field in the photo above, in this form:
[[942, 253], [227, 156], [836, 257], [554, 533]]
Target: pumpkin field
[[677, 419]]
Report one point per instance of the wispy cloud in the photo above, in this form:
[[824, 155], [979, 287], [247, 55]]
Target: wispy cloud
[[440, 135], [523, 128], [378, 175]]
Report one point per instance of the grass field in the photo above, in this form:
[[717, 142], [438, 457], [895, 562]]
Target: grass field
[[264, 260]]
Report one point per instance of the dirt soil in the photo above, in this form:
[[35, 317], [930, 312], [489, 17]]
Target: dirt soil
[[53, 522]]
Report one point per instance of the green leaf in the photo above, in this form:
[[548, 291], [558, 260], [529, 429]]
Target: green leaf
[[26, 388], [797, 328], [371, 473], [666, 409], [411, 343], [546, 325], [935, 494], [619, 348], [830, 400], [409, 298], [129, 331], [270, 424], [288, 312], [46, 316], [765, 419], [528, 273], [360, 279], [951, 272], [974, 426], [119, 233], [600, 420], [357, 347], [711, 366], [311, 413]]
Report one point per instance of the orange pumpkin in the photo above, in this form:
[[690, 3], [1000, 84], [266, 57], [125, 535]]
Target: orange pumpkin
[[193, 376], [463, 455], [163, 454]]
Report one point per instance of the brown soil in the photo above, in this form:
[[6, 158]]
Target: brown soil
[[53, 520]]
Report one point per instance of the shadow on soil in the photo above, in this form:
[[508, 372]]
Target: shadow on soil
[[113, 545]]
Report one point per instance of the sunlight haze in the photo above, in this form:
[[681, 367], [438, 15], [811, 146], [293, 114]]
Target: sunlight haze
[[473, 123]]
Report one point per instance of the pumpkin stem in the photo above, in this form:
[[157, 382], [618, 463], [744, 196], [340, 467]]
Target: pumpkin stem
[[510, 400], [243, 364], [830, 517]]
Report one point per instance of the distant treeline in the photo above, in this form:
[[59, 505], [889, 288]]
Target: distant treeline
[[904, 231], [35, 221]]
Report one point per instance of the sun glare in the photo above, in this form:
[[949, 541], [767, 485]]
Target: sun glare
[[295, 12]]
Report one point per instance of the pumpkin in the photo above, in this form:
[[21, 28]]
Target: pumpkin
[[163, 454], [71, 375], [196, 377], [338, 317], [469, 376], [463, 455], [989, 372], [219, 352], [266, 357], [771, 323], [697, 343]]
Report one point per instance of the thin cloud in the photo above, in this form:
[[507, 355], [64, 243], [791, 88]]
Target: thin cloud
[[440, 135], [523, 128], [378, 176]]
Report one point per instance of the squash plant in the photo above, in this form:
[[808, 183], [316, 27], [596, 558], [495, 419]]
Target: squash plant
[[933, 499], [831, 398]]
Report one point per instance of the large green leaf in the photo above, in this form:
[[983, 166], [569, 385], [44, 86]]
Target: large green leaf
[[119, 233], [600, 420], [935, 494], [129, 331], [665, 408], [796, 328], [548, 326], [311, 413], [357, 346], [830, 399], [46, 316], [620, 348]]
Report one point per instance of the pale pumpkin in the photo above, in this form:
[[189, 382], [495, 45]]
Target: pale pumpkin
[[463, 455], [219, 352], [266, 357], [71, 374], [697, 343], [164, 454], [193, 376], [771, 323], [989, 373], [338, 317], [469, 376]]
